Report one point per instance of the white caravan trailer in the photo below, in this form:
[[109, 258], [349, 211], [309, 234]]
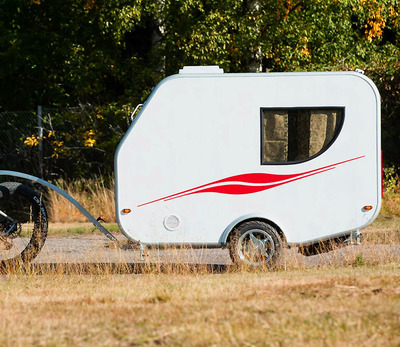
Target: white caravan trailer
[[262, 157], [252, 161]]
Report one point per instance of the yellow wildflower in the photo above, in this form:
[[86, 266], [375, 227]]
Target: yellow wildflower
[[89, 140], [375, 25], [305, 51], [57, 149], [31, 141]]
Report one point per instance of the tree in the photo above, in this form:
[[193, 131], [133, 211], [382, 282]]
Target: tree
[[60, 53], [110, 54]]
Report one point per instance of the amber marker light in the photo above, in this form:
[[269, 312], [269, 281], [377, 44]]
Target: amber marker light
[[126, 210], [367, 208]]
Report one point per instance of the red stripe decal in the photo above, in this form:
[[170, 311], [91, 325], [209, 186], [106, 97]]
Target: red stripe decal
[[248, 183]]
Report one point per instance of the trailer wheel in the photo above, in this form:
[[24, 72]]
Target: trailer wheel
[[23, 224], [255, 243]]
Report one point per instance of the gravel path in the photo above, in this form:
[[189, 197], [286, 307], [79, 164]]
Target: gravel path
[[97, 249]]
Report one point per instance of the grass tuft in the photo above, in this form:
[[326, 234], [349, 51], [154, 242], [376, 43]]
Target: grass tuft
[[359, 261]]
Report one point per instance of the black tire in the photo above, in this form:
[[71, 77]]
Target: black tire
[[255, 243], [21, 239]]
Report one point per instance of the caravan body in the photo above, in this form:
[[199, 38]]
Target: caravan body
[[209, 150]]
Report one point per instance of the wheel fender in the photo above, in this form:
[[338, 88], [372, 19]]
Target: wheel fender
[[224, 236]]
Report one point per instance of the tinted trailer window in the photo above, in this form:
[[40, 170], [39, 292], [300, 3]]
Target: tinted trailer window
[[297, 134]]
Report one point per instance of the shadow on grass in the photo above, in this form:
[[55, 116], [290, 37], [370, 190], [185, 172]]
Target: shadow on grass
[[115, 268]]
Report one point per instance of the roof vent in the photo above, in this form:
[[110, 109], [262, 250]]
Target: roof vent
[[210, 69]]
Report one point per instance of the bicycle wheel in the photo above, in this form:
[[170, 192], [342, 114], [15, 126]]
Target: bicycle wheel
[[23, 224]]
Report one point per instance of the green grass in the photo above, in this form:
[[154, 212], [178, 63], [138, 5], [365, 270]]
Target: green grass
[[60, 229]]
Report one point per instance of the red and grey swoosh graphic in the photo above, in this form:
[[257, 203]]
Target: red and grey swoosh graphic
[[248, 183]]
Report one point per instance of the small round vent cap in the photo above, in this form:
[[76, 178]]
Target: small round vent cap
[[171, 222]]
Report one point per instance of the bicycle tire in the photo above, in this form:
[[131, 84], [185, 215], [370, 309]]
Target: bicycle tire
[[29, 229]]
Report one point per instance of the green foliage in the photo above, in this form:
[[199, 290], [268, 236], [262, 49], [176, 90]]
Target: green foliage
[[385, 72], [208, 32], [60, 53], [82, 141], [391, 180]]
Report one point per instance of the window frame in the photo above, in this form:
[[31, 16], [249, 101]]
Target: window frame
[[323, 150]]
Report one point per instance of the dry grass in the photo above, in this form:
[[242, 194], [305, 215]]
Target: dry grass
[[391, 193], [346, 306], [391, 204], [384, 230], [347, 299], [94, 195]]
